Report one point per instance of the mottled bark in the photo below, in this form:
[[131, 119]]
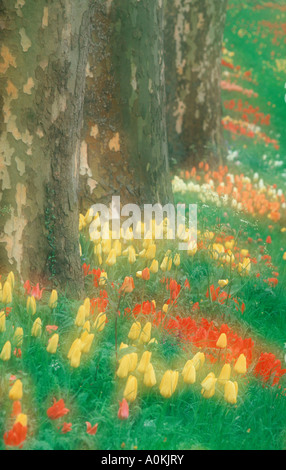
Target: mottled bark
[[124, 147], [42, 75], [193, 45]]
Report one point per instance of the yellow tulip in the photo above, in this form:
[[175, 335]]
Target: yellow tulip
[[80, 317], [16, 392], [31, 305], [230, 392], [86, 342], [208, 385], [124, 366], [100, 321], [169, 383], [117, 247], [177, 259], [11, 279], [7, 293], [198, 360], [18, 336], [151, 251], [131, 255], [6, 351], [111, 258], [134, 331], [53, 344], [37, 328], [165, 308], [222, 341], [86, 305], [189, 372], [133, 359], [2, 322], [149, 379], [154, 266], [144, 362], [224, 375], [75, 358], [164, 264], [22, 418], [76, 344], [103, 278], [139, 274], [123, 346], [53, 301], [130, 391], [145, 334], [240, 365], [223, 282]]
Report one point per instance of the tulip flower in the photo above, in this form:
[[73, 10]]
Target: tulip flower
[[111, 258], [75, 345], [151, 251], [131, 255], [169, 383], [86, 305], [91, 430], [53, 344], [6, 351], [189, 372], [208, 385], [123, 412], [53, 299], [37, 328], [86, 342], [86, 326], [130, 391], [149, 379], [75, 358], [230, 392], [31, 305], [124, 367], [154, 266], [144, 362], [145, 274], [100, 321], [57, 410], [16, 408], [18, 336], [198, 360], [224, 375], [177, 260], [2, 322], [67, 427], [16, 392], [127, 285], [222, 341], [11, 279], [240, 365], [145, 334], [80, 317], [223, 282], [7, 293], [16, 436], [103, 278], [134, 331]]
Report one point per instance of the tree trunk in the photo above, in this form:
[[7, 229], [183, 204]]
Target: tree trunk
[[193, 45], [42, 75], [124, 147]]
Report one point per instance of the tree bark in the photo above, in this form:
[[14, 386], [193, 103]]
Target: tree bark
[[42, 76], [193, 45], [124, 147]]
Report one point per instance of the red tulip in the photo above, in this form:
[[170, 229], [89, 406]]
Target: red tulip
[[92, 430], [123, 412]]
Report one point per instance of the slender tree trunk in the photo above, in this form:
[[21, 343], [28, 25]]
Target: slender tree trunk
[[124, 147], [42, 75], [193, 44]]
